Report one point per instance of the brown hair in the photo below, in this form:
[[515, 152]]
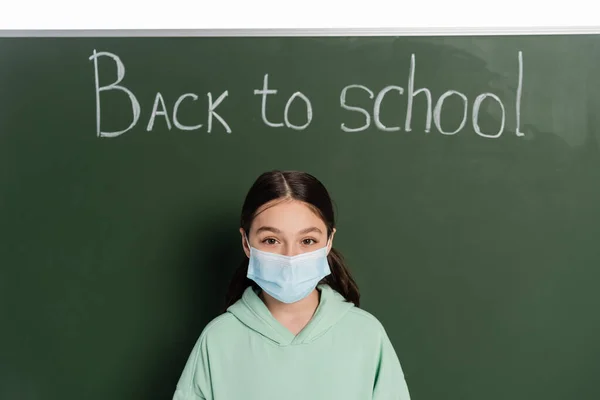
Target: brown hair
[[303, 187]]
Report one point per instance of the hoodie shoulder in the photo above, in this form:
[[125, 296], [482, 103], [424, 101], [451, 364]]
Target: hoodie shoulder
[[365, 321], [217, 327], [215, 322], [365, 316], [194, 382]]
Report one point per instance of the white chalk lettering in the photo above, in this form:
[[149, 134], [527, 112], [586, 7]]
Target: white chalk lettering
[[263, 110], [519, 93], [437, 112], [135, 105], [410, 97], [476, 107], [370, 108], [158, 99], [176, 122], [377, 108], [354, 108], [211, 111], [308, 112]]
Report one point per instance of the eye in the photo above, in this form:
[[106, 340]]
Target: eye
[[270, 241], [308, 241]]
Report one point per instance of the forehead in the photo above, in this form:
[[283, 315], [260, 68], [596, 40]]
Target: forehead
[[287, 215]]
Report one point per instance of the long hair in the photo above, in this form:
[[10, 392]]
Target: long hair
[[303, 187]]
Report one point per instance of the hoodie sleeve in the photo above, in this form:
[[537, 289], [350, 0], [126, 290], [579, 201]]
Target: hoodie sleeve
[[194, 383], [390, 383]]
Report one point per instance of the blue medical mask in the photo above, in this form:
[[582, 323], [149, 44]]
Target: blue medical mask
[[288, 278]]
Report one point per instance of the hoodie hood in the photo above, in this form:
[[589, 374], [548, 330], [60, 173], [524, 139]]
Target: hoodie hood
[[253, 313]]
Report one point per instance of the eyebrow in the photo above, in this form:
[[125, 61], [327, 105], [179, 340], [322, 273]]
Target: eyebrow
[[267, 229], [308, 230], [275, 230]]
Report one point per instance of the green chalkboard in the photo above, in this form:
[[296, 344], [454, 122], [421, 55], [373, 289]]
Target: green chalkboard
[[474, 237]]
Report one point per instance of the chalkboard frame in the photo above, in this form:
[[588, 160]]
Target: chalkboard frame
[[490, 290], [301, 32]]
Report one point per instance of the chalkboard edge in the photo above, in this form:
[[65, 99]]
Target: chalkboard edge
[[453, 31]]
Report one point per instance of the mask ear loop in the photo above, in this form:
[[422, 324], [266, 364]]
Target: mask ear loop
[[247, 242]]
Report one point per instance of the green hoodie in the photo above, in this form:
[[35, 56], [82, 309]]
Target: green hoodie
[[343, 353]]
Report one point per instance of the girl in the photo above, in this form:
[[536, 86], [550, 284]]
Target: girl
[[292, 329]]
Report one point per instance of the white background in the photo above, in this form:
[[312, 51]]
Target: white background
[[229, 14]]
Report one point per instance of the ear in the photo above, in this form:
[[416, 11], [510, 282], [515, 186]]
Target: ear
[[245, 244], [330, 245]]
